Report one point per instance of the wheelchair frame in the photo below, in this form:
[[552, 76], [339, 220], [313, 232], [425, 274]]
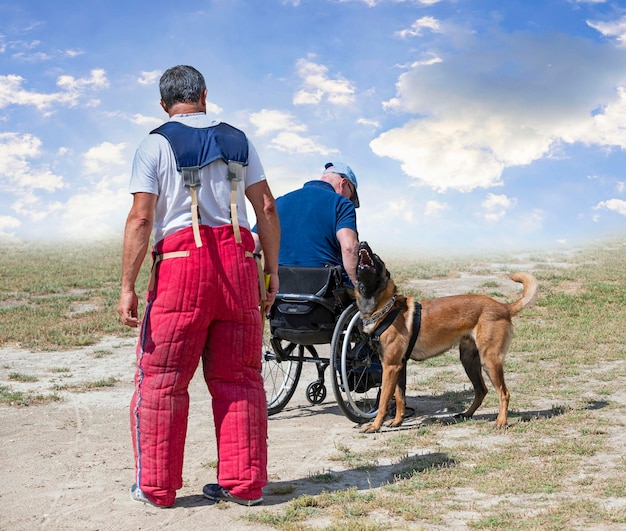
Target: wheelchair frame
[[323, 315]]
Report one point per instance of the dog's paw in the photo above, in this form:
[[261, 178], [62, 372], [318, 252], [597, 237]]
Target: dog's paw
[[394, 423], [370, 428]]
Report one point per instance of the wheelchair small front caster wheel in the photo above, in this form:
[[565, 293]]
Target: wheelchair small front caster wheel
[[316, 392]]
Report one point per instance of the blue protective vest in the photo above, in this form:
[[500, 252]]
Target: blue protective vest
[[197, 147]]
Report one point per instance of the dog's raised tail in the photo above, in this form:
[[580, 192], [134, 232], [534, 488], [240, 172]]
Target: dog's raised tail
[[529, 293]]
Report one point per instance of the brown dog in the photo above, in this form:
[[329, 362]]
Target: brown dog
[[479, 324]]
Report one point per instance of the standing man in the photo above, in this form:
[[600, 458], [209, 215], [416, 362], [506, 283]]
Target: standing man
[[318, 222], [188, 183]]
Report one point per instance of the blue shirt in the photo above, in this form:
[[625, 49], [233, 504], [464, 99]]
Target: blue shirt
[[309, 220]]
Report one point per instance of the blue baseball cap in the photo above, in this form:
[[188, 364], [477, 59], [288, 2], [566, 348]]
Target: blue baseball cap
[[344, 170]]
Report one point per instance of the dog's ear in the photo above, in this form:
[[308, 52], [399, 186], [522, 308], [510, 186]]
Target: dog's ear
[[388, 273]]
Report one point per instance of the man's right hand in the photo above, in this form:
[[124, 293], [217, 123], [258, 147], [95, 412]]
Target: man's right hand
[[127, 308]]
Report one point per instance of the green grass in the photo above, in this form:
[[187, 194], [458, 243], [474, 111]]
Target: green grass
[[559, 465], [40, 286], [18, 398]]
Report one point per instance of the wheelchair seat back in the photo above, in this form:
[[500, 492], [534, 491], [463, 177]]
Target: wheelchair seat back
[[306, 307]]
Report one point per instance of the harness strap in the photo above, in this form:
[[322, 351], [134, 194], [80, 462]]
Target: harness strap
[[164, 256], [195, 216], [234, 219], [386, 323], [417, 323], [389, 319]]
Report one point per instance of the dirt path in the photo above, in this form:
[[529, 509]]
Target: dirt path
[[68, 464]]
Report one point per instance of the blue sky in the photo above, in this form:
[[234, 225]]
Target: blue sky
[[475, 124]]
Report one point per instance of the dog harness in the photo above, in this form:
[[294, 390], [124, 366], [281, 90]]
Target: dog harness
[[390, 318]]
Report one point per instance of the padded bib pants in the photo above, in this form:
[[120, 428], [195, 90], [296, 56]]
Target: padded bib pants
[[204, 305]]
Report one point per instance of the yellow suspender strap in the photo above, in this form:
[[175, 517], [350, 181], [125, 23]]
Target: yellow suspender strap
[[164, 256], [195, 220], [261, 274], [235, 175], [264, 281]]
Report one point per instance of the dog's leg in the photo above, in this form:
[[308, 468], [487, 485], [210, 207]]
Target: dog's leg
[[390, 378], [495, 371], [470, 359], [400, 398], [493, 343]]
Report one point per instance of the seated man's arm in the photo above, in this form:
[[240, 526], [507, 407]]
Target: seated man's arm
[[349, 242]]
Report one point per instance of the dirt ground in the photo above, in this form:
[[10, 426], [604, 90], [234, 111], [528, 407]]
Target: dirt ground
[[68, 464]]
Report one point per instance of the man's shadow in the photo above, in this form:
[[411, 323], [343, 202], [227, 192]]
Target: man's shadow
[[361, 478], [368, 477]]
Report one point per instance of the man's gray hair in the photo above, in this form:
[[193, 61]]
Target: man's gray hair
[[181, 84]]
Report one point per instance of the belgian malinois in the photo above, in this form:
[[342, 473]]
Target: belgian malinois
[[480, 325]]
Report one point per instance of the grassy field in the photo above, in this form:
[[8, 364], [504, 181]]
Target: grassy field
[[60, 297], [559, 465]]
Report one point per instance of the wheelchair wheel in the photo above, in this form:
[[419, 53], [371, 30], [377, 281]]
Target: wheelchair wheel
[[356, 378], [316, 392], [280, 374]]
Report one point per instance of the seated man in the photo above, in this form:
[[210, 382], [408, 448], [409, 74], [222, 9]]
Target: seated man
[[318, 222]]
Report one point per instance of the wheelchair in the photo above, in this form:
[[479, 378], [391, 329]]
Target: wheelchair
[[314, 308]]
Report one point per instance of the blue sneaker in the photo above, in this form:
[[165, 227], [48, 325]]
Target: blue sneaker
[[214, 492], [136, 494]]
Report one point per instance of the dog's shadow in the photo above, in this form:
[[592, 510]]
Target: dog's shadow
[[425, 411], [444, 408]]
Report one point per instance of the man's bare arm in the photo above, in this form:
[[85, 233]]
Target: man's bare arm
[[136, 240], [349, 242], [268, 228]]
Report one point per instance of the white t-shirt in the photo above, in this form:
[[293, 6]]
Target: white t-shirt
[[154, 171]]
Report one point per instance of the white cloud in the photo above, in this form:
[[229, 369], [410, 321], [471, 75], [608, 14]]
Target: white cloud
[[614, 205], [101, 211], [492, 105], [149, 78], [268, 121], [71, 94], [213, 108], [73, 53], [8, 222], [435, 208], [495, 207], [604, 127], [97, 158], [146, 121], [616, 29], [294, 143], [440, 155], [317, 86], [17, 173], [74, 85], [416, 29], [375, 124]]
